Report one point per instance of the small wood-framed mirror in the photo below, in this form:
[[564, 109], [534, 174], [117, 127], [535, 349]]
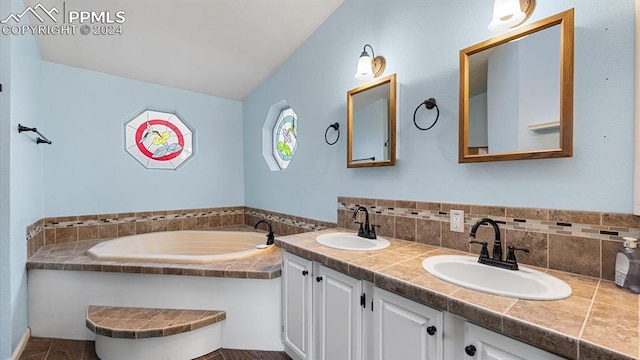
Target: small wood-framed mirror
[[371, 124], [516, 94]]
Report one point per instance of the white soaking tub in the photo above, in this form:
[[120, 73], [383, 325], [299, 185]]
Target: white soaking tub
[[191, 247]]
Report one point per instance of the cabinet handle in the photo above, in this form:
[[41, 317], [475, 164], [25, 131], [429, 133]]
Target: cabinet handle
[[319, 278], [470, 350], [431, 330], [304, 272]]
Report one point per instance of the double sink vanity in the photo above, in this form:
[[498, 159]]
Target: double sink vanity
[[349, 297], [358, 296]]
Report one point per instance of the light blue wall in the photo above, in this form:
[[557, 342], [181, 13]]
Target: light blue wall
[[421, 40], [5, 192], [87, 169], [21, 103]]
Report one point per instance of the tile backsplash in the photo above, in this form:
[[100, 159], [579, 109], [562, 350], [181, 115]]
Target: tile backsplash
[[285, 224], [66, 229], [579, 242], [574, 241]]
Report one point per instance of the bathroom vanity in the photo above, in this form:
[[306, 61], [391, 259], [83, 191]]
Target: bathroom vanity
[[383, 305]]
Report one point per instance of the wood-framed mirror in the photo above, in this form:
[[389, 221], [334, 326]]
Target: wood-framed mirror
[[516, 94], [371, 124]]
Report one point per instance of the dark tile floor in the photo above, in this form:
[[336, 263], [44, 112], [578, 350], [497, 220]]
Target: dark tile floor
[[56, 349]]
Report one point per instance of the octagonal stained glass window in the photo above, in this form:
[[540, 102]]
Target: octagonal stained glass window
[[159, 140], [285, 140]]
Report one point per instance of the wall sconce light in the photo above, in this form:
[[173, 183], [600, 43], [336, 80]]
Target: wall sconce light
[[508, 14], [369, 66]]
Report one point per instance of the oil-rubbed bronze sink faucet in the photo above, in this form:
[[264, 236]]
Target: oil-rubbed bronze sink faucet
[[366, 230], [496, 260]]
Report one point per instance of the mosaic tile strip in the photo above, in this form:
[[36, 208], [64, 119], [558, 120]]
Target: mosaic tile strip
[[88, 220], [594, 231], [286, 220], [34, 229]]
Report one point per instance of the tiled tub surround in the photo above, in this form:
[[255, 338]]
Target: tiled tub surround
[[599, 321], [66, 229], [73, 256], [573, 241]]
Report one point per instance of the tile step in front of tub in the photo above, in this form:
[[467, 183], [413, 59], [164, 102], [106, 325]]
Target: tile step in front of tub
[[141, 323], [174, 334]]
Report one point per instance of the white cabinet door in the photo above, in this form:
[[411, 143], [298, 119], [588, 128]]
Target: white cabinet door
[[484, 344], [404, 329], [338, 315], [296, 306]]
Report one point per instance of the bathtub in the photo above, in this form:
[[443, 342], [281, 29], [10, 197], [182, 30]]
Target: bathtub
[[192, 247]]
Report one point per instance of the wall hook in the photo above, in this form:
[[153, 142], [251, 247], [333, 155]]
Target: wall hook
[[335, 127], [430, 103], [40, 140]]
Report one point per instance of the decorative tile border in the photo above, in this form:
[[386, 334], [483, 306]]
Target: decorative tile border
[[34, 229], [303, 224], [123, 218], [594, 231]]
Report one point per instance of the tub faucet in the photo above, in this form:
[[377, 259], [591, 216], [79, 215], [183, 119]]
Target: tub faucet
[[366, 230], [270, 236], [509, 263]]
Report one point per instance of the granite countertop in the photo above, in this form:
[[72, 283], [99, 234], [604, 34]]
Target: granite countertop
[[598, 321], [73, 256]]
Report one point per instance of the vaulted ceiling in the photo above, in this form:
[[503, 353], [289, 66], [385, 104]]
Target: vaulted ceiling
[[224, 48]]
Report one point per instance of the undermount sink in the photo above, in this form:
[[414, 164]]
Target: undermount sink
[[526, 283], [353, 242]]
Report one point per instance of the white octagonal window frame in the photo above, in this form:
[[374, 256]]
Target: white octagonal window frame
[[279, 136], [159, 140]]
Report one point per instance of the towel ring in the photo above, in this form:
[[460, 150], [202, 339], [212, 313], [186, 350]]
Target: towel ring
[[429, 104], [335, 127]]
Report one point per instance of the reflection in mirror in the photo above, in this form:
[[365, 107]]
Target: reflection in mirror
[[516, 94], [371, 119]]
